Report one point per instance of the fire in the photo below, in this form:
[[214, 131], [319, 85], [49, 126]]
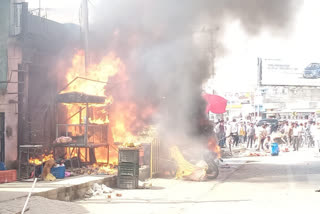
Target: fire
[[108, 67], [213, 146], [93, 81], [99, 121], [123, 117], [104, 169], [125, 123], [41, 160]]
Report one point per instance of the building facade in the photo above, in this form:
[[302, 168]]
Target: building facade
[[30, 50]]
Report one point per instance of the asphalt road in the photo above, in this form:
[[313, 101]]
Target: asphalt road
[[283, 184], [286, 183]]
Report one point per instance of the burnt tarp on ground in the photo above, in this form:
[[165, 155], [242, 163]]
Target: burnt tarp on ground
[[77, 97]]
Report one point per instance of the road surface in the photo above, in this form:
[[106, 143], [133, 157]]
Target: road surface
[[283, 184], [286, 183]]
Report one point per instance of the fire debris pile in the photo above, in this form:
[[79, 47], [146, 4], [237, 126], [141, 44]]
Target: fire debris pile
[[96, 169], [187, 170]]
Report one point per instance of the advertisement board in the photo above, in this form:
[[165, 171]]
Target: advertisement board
[[276, 72]]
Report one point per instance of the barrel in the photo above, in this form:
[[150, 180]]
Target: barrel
[[274, 149]]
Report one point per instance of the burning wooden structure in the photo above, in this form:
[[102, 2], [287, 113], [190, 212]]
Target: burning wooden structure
[[84, 136]]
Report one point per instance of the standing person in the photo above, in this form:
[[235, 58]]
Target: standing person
[[268, 129], [290, 133], [220, 130], [228, 136], [242, 133], [262, 136], [295, 137], [246, 125], [313, 131], [302, 138], [286, 129], [251, 135], [234, 132], [306, 130]]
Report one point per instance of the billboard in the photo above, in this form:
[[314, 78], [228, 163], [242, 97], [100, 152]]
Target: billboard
[[280, 72]]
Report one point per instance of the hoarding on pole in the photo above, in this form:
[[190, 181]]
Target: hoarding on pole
[[280, 72]]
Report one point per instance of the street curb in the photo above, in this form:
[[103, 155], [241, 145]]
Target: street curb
[[74, 192]]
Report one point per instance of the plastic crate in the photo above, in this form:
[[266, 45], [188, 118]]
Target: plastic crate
[[58, 172], [128, 169], [129, 155], [7, 176], [127, 182]]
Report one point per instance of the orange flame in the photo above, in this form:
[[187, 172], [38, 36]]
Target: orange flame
[[41, 160], [108, 67], [213, 146], [104, 169]]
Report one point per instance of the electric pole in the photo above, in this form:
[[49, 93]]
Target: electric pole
[[85, 26]]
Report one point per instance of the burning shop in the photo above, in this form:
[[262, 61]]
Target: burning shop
[[89, 129]]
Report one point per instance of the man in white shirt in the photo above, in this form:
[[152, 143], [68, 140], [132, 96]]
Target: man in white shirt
[[301, 135], [286, 129], [234, 132], [228, 136], [295, 137]]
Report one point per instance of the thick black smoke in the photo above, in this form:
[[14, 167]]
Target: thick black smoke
[[155, 40]]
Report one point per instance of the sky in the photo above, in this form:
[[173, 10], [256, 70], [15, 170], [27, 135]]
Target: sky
[[300, 46], [237, 69]]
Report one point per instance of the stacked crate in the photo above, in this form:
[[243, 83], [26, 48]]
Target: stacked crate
[[128, 168]]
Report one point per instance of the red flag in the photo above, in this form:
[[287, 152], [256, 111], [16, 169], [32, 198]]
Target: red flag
[[215, 103]]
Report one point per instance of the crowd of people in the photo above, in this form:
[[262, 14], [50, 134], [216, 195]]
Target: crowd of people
[[260, 136]]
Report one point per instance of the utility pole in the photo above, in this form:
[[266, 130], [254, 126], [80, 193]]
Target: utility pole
[[258, 96], [85, 25], [211, 52], [39, 8]]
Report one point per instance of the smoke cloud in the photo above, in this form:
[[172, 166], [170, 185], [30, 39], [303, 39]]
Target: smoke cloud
[[165, 67]]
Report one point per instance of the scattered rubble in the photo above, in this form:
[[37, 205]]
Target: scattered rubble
[[145, 184], [98, 189]]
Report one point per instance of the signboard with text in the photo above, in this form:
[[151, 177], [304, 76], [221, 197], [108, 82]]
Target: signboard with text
[[279, 72]]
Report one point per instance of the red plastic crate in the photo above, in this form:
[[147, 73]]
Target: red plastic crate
[[7, 176]]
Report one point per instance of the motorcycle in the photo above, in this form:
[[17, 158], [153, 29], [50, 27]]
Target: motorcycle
[[212, 160]]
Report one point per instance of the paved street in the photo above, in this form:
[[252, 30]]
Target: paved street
[[263, 185], [286, 183]]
